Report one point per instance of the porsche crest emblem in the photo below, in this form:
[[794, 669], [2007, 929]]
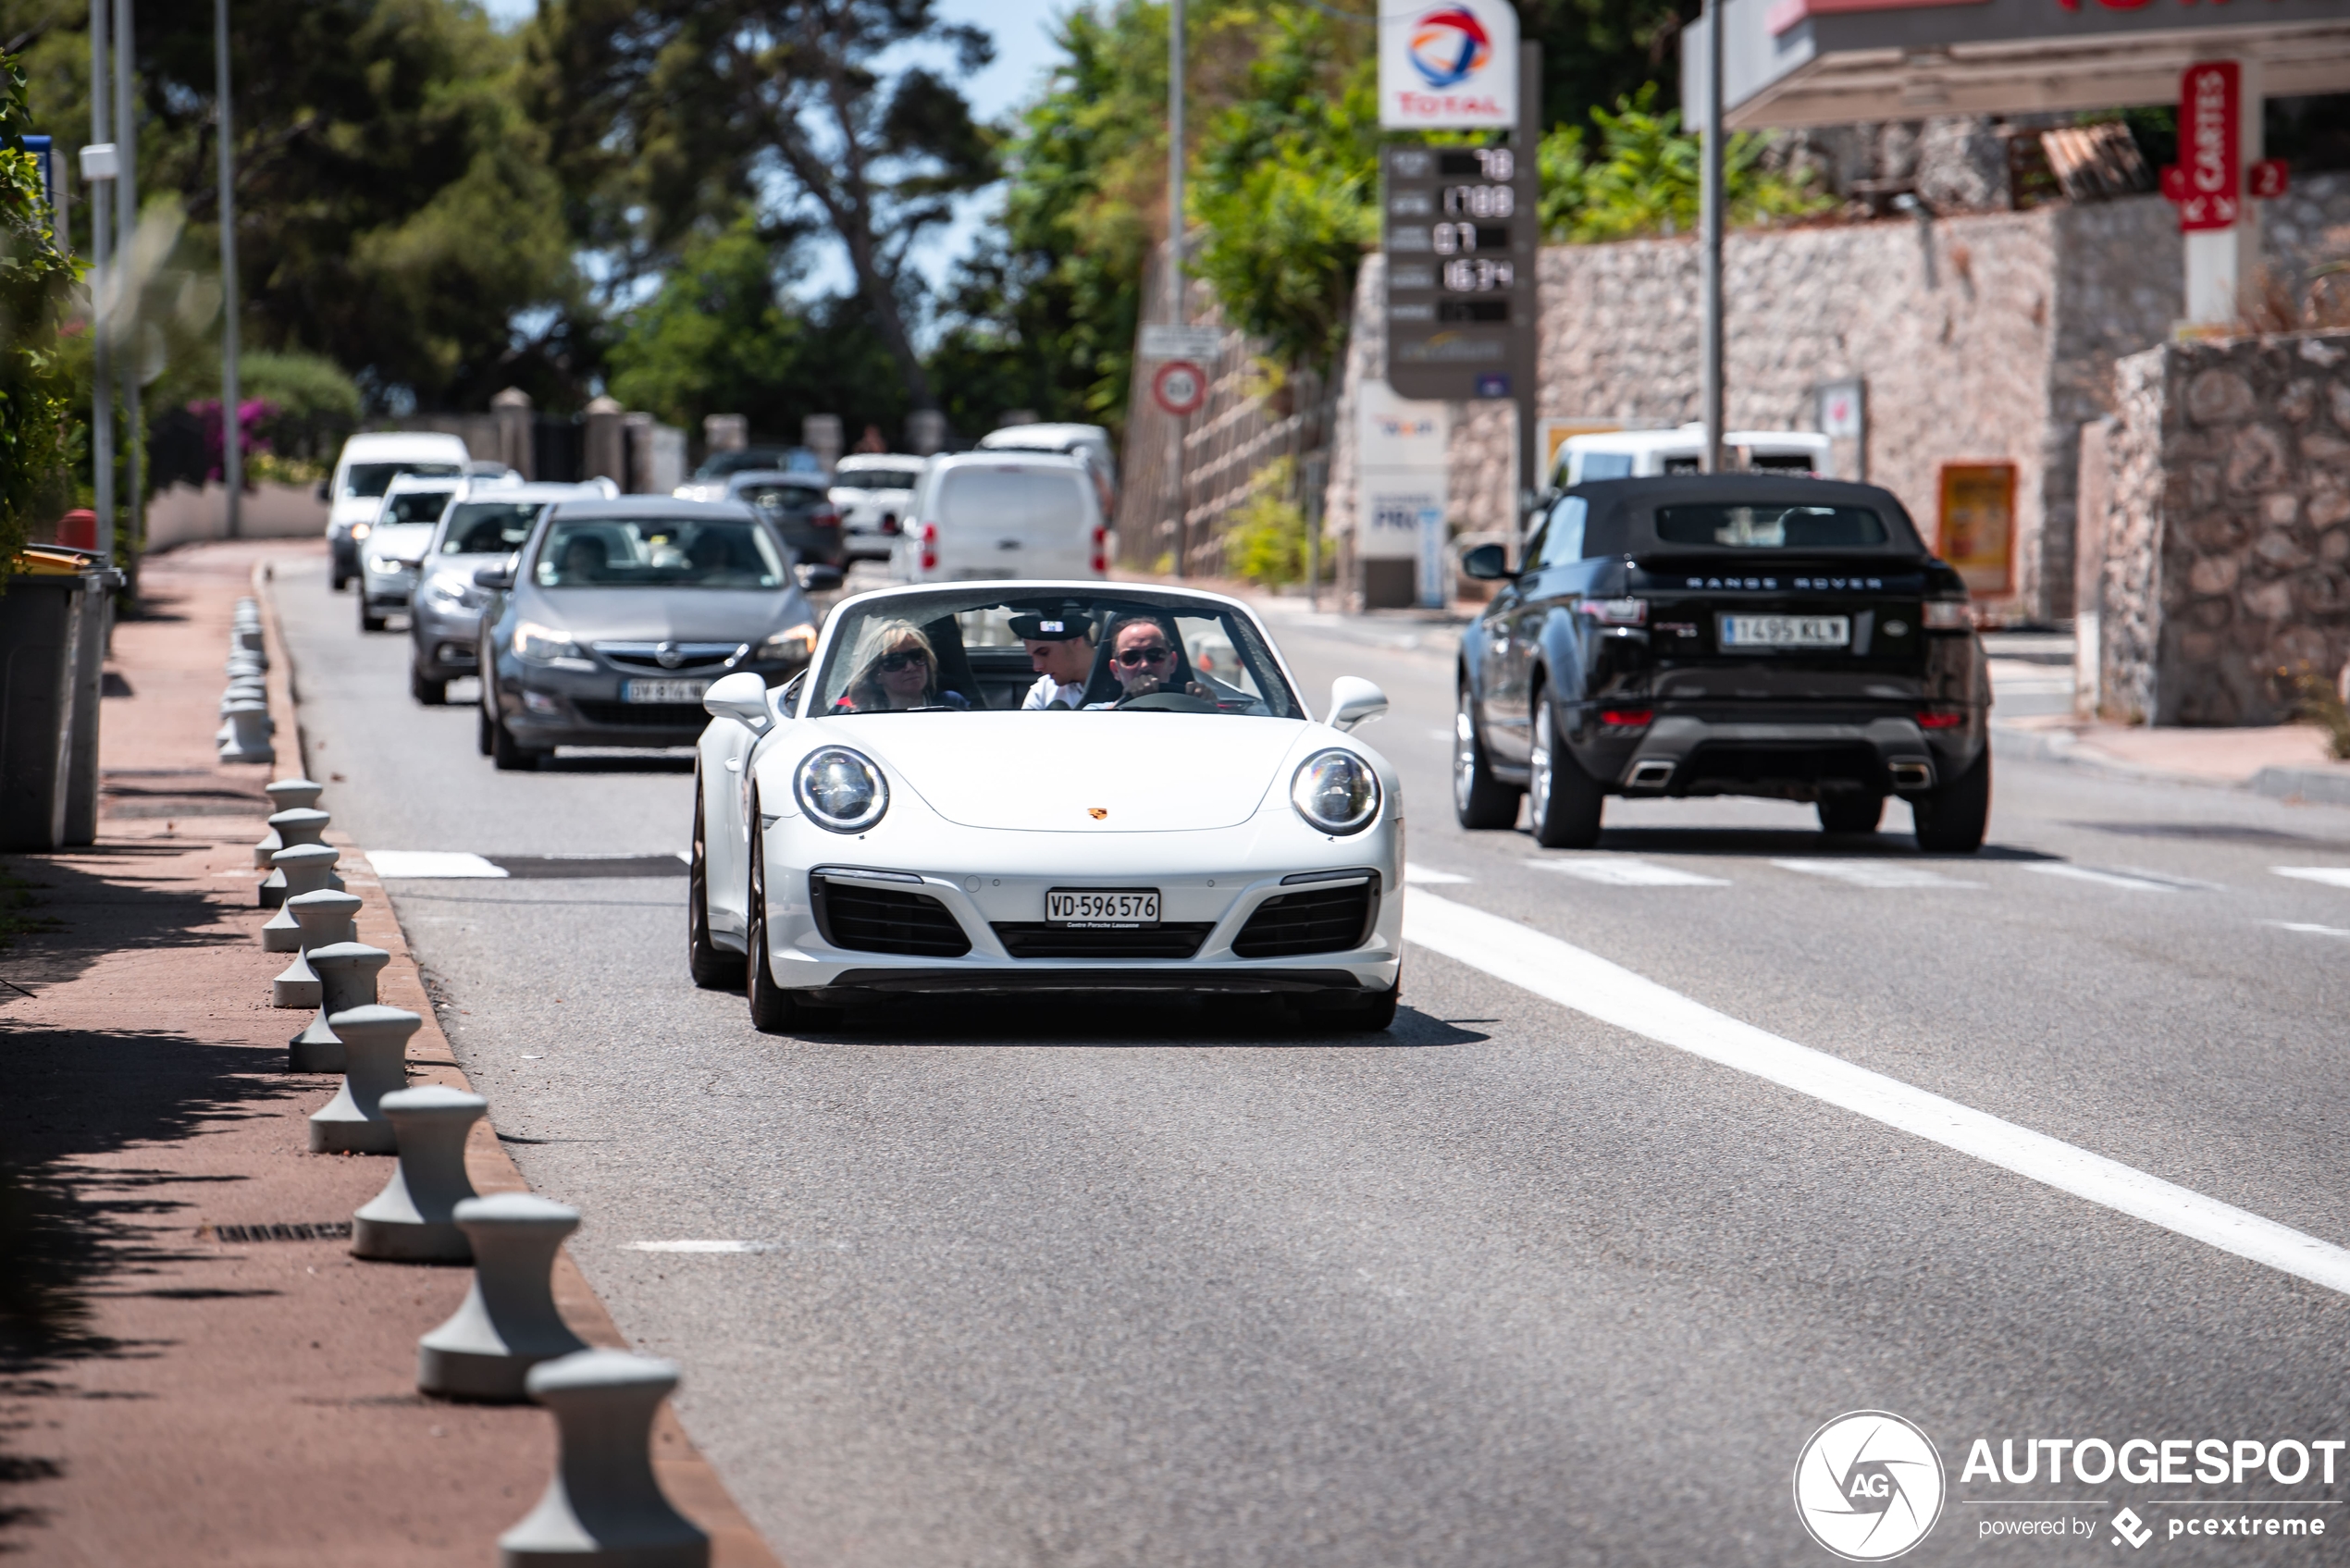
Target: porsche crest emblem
[[1098, 813]]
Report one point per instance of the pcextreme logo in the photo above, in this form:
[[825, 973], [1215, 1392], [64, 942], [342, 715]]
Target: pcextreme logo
[[1868, 1486], [1449, 46]]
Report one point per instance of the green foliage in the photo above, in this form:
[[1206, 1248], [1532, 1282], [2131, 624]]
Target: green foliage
[[1644, 179], [1266, 541], [1596, 53], [314, 405], [1287, 190], [394, 210], [722, 336], [38, 432]]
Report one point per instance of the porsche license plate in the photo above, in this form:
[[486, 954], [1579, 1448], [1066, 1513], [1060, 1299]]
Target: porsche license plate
[[1119, 908], [1786, 631], [662, 691]]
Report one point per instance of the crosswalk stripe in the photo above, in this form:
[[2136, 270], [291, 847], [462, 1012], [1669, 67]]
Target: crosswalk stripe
[[1873, 873], [1428, 876], [2107, 879], [1626, 871], [2332, 876], [1574, 978]]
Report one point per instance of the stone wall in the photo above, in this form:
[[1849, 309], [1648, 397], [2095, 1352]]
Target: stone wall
[[1983, 338], [2227, 527]]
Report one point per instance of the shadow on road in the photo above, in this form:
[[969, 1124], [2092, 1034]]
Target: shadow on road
[[1244, 1024]]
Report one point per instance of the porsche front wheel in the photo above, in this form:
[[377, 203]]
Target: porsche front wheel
[[712, 967], [774, 1010]]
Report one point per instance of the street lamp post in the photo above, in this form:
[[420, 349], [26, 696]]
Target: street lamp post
[[98, 163], [232, 456], [126, 217], [1175, 256], [1712, 218]]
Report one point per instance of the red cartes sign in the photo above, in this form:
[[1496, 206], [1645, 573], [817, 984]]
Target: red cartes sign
[[2208, 180]]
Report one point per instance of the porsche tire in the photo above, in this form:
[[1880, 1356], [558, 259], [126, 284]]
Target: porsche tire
[[712, 967], [1563, 802], [774, 1010], [1480, 800]]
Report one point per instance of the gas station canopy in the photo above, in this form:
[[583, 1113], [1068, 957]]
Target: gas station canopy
[[1834, 62]]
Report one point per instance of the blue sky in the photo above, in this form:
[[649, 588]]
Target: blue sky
[[1023, 48]]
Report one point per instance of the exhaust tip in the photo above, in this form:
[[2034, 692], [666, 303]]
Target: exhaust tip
[[1653, 773], [1912, 775]]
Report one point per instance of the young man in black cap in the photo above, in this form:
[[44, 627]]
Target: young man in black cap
[[1060, 650]]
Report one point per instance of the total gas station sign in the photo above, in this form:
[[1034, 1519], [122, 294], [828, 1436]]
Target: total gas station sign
[[1448, 65]]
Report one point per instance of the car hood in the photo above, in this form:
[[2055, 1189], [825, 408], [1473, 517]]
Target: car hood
[[406, 540], [1051, 772], [670, 614]]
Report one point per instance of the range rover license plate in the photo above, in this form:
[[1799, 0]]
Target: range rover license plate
[[662, 691], [1115, 908], [1786, 631]]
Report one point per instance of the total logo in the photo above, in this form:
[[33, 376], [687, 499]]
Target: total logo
[[1869, 1485], [1449, 46]]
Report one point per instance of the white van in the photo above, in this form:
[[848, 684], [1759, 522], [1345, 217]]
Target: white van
[[987, 514], [366, 470], [1642, 454], [1087, 443]]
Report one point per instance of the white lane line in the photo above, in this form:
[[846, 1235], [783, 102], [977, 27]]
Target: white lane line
[[434, 863], [2306, 928], [1873, 873], [695, 1246], [1569, 975], [1428, 876], [1624, 871], [2107, 879], [2332, 876]]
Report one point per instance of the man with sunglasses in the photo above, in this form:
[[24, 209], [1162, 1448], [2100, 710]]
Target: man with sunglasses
[[1142, 655]]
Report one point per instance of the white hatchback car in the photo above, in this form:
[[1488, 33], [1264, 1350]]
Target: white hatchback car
[[874, 492], [905, 816]]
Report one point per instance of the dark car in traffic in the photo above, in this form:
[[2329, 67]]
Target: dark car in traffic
[[1791, 638], [617, 615], [800, 507]]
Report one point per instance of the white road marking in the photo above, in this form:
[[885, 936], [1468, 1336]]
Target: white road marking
[[696, 1247], [2304, 927], [2107, 879], [1624, 871], [2332, 876], [1428, 876], [1561, 972], [1873, 873], [433, 863]]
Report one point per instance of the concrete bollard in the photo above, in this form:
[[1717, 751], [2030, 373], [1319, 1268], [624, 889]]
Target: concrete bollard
[[509, 1323], [375, 1043], [249, 740], [248, 637], [285, 795], [307, 867], [295, 826], [346, 972], [604, 1505], [414, 1219], [323, 919]]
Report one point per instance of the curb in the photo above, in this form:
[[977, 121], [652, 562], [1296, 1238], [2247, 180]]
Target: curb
[[2276, 784], [2302, 783], [692, 1483]]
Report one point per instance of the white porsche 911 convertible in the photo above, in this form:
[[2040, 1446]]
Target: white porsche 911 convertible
[[995, 788]]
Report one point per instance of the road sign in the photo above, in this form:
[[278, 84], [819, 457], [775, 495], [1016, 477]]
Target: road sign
[[1461, 231], [2210, 180], [1180, 387], [1161, 341]]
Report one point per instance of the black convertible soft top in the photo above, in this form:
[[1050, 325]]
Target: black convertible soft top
[[1623, 511]]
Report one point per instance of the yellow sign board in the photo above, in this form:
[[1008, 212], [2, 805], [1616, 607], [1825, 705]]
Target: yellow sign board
[[1976, 533], [1556, 430]]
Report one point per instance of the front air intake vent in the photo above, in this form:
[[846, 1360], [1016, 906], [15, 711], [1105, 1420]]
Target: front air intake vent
[[875, 920], [1329, 920], [1034, 939]]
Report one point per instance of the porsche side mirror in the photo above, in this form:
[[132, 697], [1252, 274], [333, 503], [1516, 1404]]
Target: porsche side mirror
[[1486, 564], [497, 579], [816, 578], [741, 696], [1354, 700]]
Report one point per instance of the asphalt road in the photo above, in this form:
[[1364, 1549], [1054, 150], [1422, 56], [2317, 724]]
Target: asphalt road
[[1511, 1285]]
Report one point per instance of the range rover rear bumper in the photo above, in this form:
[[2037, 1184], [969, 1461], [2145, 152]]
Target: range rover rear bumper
[[1684, 756]]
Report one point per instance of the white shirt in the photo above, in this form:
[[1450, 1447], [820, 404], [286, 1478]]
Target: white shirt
[[1047, 691]]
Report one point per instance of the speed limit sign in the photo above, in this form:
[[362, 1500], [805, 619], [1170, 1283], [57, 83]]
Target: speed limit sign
[[1181, 386]]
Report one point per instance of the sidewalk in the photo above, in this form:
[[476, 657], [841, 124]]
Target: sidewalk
[[2284, 762], [166, 1396]]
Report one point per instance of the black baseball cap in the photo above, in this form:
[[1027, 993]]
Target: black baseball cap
[[1055, 626]]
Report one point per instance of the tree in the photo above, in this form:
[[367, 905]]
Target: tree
[[1644, 177], [38, 430], [394, 209], [801, 105]]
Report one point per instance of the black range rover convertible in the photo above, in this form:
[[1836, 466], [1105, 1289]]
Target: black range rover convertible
[[1724, 635]]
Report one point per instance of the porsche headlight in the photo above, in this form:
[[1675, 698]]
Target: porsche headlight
[[1335, 791], [549, 645], [841, 790], [790, 646]]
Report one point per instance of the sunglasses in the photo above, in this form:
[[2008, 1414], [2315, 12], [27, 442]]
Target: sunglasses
[[1158, 653], [912, 658]]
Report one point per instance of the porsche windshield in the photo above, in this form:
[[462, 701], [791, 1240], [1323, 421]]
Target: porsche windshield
[[1131, 650], [659, 552]]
